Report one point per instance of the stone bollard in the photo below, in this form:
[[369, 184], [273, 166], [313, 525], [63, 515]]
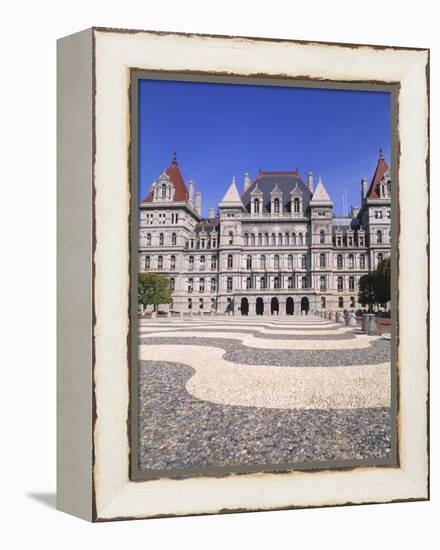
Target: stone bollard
[[340, 317], [366, 320], [351, 320], [373, 327]]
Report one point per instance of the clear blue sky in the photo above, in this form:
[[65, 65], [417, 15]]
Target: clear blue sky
[[224, 130]]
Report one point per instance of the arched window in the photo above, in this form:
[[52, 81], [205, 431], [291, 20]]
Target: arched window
[[379, 257], [296, 205], [294, 238], [202, 263], [160, 262], [286, 239], [231, 237], [252, 240], [300, 239], [164, 191], [260, 239], [362, 261], [303, 261], [340, 283], [322, 283], [350, 261], [340, 262], [303, 282], [257, 206], [322, 260], [266, 239], [160, 239], [147, 262], [276, 262], [276, 282], [280, 239], [323, 302], [229, 261], [173, 262], [173, 239], [379, 236], [246, 239], [273, 239], [262, 261], [191, 263], [249, 262], [341, 301], [276, 206], [321, 237], [290, 262], [148, 239]]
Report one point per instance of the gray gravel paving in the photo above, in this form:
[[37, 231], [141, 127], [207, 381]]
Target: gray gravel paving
[[179, 431], [377, 352]]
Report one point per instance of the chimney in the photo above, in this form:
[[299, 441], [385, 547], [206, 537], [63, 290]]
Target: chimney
[[211, 213], [364, 188], [246, 181], [198, 206], [310, 181], [191, 189]]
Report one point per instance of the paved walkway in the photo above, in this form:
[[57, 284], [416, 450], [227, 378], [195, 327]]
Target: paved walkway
[[255, 390]]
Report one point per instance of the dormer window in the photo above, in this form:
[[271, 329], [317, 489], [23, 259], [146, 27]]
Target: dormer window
[[296, 205], [257, 206], [276, 206]]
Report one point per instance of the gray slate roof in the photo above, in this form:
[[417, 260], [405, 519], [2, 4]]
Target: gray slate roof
[[286, 183]]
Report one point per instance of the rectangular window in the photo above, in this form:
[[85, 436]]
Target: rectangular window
[[213, 284], [229, 284], [201, 285], [190, 284]]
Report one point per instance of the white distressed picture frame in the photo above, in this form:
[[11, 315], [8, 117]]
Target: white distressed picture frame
[[94, 273]]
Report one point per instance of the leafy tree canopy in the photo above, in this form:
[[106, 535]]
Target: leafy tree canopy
[[153, 289]]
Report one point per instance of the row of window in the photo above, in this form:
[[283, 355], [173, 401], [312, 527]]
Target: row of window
[[161, 218], [276, 206], [263, 263], [273, 239], [277, 283], [249, 263], [263, 239]]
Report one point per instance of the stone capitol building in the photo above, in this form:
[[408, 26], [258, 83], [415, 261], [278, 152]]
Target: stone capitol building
[[275, 247]]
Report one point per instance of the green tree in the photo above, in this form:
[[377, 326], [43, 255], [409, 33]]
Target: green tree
[[367, 287], [383, 281], [153, 289]]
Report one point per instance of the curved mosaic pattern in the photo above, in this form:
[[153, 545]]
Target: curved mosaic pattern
[[219, 393]]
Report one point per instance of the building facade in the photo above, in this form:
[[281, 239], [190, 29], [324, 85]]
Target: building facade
[[274, 248]]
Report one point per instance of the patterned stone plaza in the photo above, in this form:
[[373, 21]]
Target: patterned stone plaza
[[240, 391]]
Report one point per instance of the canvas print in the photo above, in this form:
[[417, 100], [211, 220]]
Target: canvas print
[[265, 311]]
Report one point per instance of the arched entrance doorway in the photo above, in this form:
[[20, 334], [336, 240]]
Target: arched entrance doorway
[[259, 306], [289, 306], [305, 305], [244, 307], [274, 306]]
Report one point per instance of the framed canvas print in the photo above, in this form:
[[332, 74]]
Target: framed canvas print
[[242, 274]]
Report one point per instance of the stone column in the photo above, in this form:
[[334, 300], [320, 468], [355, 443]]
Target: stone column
[[340, 317], [366, 321], [373, 327], [351, 320]]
